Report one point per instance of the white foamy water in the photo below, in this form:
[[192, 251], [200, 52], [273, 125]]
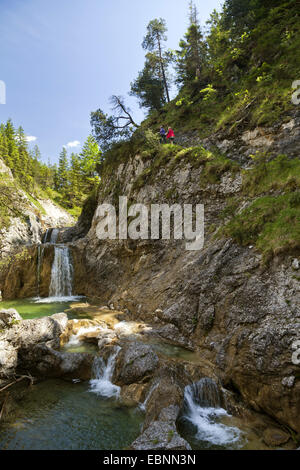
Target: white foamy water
[[125, 328], [75, 339], [54, 236], [57, 299], [61, 273], [101, 384], [142, 406], [206, 417]]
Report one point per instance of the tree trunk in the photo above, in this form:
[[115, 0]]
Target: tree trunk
[[163, 70]]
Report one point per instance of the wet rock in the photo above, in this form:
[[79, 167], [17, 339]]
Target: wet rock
[[160, 435], [133, 393], [43, 361], [135, 361], [24, 344], [19, 279], [106, 338], [275, 437]]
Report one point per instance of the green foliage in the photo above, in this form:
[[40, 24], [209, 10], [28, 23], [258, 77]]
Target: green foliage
[[249, 60], [149, 88], [191, 58], [280, 173], [270, 223], [68, 184], [11, 203], [77, 178], [216, 167], [158, 59], [152, 140]]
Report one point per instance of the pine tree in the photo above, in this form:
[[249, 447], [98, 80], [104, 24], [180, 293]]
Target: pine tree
[[62, 172], [149, 89], [13, 152], [89, 158], [191, 57], [4, 151], [157, 57]]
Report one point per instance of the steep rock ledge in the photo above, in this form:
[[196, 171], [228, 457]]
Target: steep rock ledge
[[241, 315]]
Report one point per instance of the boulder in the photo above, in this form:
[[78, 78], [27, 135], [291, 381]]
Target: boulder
[[135, 361], [275, 437], [28, 333], [9, 317], [162, 434], [43, 361], [8, 360]]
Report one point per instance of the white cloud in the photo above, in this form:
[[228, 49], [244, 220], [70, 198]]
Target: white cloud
[[75, 143], [31, 138]]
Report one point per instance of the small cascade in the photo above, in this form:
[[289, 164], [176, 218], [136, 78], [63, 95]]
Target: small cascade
[[61, 273], [54, 236], [46, 236], [143, 406], [103, 373], [51, 236], [202, 412]]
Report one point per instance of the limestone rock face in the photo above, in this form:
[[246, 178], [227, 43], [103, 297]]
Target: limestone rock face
[[39, 215], [20, 279], [44, 361], [31, 345], [8, 360], [29, 333], [281, 138], [162, 434], [241, 317], [135, 361]]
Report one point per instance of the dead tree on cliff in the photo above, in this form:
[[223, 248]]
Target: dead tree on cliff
[[108, 129]]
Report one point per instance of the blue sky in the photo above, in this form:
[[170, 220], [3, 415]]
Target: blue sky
[[62, 59]]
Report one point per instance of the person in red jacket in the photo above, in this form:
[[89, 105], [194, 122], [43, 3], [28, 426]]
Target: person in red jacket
[[170, 135]]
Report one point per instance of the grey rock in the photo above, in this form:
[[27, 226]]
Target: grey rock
[[160, 435], [9, 317], [134, 362], [295, 264]]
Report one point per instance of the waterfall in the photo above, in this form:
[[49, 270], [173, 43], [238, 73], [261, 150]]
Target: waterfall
[[142, 406], [61, 273], [203, 410], [54, 236], [45, 238], [103, 373], [51, 236]]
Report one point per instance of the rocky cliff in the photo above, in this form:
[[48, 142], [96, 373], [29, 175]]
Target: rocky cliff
[[238, 304]]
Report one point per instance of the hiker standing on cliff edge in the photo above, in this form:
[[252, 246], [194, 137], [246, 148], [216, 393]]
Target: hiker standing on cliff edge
[[162, 133], [170, 135]]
